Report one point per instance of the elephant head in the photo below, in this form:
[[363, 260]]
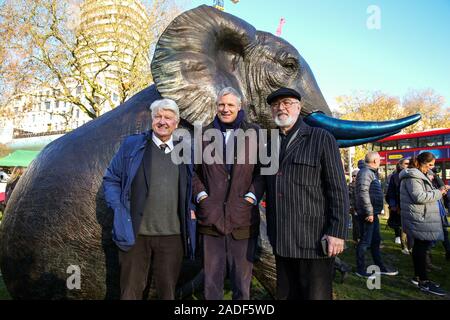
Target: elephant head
[[57, 217], [205, 50]]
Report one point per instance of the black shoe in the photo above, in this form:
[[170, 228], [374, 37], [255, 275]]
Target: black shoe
[[415, 281], [388, 271], [365, 274], [430, 287]]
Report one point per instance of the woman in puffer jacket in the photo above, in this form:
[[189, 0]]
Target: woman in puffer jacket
[[421, 219]]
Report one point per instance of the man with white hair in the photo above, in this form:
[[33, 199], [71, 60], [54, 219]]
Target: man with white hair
[[150, 196]]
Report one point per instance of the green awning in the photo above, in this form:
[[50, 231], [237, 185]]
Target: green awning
[[18, 158]]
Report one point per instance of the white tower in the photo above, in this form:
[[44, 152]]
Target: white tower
[[111, 31]]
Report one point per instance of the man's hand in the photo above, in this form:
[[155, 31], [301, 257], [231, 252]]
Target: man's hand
[[193, 216], [249, 199], [369, 219], [335, 245]]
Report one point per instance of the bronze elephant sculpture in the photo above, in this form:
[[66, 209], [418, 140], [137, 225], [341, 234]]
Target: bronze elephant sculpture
[[57, 216]]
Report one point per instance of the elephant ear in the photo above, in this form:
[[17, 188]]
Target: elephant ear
[[200, 53]]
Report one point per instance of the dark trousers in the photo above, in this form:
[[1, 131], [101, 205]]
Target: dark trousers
[[163, 255], [224, 253], [419, 257], [370, 238], [304, 279]]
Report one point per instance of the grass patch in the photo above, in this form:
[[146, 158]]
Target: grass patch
[[257, 292], [392, 287], [355, 288]]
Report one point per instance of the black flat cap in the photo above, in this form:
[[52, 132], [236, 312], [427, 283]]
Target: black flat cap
[[283, 92]]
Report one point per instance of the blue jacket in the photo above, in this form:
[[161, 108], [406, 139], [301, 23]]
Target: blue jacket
[[117, 187]]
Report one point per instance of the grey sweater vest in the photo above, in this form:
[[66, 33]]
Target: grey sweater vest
[[160, 209]]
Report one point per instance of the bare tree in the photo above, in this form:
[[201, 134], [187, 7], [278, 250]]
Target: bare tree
[[378, 106], [67, 116], [56, 45], [435, 114]]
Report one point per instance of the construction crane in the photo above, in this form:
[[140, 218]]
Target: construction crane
[[218, 4], [280, 26]]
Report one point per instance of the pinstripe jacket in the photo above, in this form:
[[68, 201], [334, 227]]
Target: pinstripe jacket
[[308, 197]]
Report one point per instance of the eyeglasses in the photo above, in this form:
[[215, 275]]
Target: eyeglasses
[[287, 103]]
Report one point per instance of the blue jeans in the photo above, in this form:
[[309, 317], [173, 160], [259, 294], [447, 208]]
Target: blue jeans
[[369, 238]]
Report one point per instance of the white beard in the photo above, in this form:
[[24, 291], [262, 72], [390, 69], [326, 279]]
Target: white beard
[[284, 123]]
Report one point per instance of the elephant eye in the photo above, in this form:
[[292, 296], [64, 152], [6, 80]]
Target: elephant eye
[[290, 64]]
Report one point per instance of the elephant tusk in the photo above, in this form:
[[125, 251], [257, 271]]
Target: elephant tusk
[[357, 142], [357, 130]]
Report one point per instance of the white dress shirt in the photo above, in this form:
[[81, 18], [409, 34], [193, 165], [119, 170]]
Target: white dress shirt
[[158, 143]]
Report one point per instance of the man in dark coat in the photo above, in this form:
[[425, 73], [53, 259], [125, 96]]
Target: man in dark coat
[[307, 202], [227, 192], [150, 193], [369, 204], [393, 200]]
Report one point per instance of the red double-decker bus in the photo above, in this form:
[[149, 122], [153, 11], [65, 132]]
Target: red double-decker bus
[[393, 148]]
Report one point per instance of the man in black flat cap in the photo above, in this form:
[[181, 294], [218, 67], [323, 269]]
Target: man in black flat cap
[[307, 202]]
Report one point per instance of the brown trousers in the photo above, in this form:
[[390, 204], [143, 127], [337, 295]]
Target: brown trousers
[[224, 253], [163, 255]]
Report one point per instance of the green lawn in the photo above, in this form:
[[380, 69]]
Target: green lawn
[[355, 288], [397, 287], [392, 287]]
